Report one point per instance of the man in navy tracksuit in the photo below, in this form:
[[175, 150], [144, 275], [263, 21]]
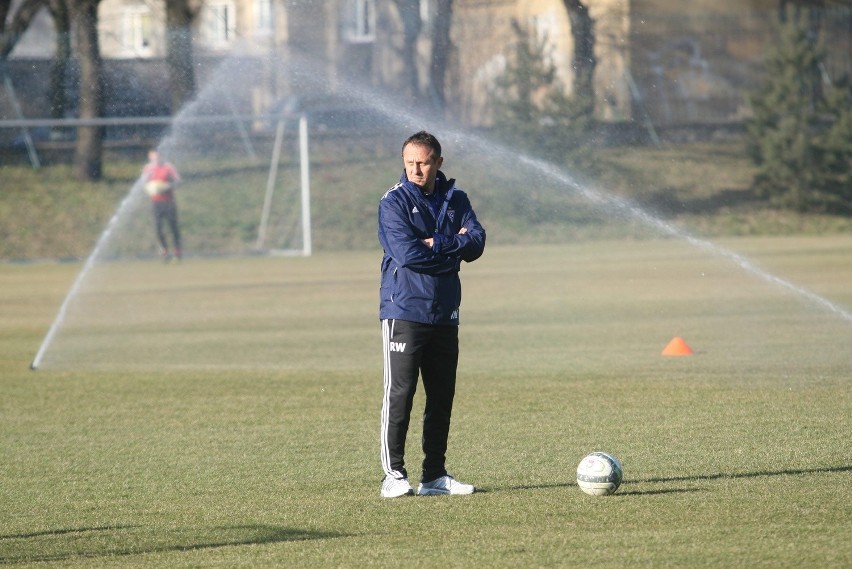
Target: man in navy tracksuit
[[427, 227]]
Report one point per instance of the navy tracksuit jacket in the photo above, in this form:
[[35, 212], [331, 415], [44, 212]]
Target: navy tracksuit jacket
[[421, 284]]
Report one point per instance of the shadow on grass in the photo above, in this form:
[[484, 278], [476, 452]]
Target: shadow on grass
[[619, 493], [62, 532], [542, 486], [109, 541], [667, 203], [660, 491], [693, 478], [758, 474]]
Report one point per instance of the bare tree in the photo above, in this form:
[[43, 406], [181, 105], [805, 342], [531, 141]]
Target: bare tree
[[62, 24], [180, 15], [583, 32], [5, 6], [88, 155], [441, 49], [21, 19], [409, 12]]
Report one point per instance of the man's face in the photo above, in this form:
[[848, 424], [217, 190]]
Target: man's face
[[421, 166]]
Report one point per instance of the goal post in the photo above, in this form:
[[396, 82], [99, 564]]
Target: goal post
[[305, 194], [304, 165]]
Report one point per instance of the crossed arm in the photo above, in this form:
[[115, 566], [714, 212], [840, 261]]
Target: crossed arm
[[429, 242]]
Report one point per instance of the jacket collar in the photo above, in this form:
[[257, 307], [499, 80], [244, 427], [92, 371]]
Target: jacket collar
[[442, 184]]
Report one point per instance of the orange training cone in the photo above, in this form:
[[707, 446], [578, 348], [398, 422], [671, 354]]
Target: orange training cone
[[677, 347]]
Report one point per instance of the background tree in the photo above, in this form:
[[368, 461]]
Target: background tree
[[5, 6], [441, 49], [61, 58], [88, 152], [531, 108], [412, 24], [21, 19], [583, 62], [800, 136], [180, 15]]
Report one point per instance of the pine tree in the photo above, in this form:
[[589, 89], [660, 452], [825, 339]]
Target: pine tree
[[531, 109], [800, 136]]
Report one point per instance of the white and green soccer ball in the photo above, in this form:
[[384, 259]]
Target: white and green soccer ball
[[599, 474]]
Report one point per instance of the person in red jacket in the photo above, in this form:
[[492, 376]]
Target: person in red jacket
[[160, 179]]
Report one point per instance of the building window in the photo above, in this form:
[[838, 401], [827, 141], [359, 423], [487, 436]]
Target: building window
[[360, 21], [263, 15], [136, 30], [219, 23]]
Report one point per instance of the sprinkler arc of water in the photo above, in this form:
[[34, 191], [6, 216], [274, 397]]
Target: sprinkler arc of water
[[84, 272], [402, 118], [125, 206], [670, 229], [602, 199]]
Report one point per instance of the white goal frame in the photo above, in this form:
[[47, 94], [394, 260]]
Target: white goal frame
[[305, 182]]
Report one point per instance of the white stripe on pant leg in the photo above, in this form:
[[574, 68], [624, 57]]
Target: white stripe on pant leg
[[385, 451]]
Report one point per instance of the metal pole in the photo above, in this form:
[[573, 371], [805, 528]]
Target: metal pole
[[304, 161], [28, 140], [270, 185], [119, 121], [637, 96]]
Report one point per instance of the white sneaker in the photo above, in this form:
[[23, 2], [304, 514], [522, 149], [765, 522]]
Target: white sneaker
[[396, 487], [444, 485]]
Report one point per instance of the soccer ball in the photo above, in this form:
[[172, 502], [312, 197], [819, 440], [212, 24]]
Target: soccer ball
[[154, 187], [599, 474]]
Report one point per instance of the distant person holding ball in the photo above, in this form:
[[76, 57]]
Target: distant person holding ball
[[160, 179], [427, 228]]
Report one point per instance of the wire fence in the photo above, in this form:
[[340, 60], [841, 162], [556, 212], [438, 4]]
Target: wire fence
[[675, 69]]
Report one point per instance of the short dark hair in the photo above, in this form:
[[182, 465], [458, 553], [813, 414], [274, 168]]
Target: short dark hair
[[424, 138]]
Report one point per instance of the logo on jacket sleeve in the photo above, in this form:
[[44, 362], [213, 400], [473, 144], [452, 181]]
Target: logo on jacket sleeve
[[451, 213], [415, 210]]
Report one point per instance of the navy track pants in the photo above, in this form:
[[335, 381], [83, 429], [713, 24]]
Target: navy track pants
[[410, 350]]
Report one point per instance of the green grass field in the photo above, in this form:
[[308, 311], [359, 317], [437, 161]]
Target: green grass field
[[224, 412]]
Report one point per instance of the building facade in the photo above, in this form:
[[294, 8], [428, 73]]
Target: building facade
[[654, 58]]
